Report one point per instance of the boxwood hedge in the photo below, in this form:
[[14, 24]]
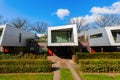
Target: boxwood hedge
[[99, 65], [24, 56], [24, 65], [98, 55]]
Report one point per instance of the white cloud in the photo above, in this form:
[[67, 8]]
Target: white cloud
[[113, 9], [98, 11], [61, 13], [92, 18], [88, 18]]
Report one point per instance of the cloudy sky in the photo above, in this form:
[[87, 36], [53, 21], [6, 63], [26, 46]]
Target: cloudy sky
[[57, 12]]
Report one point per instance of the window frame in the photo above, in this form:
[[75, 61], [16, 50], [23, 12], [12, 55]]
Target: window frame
[[96, 36]]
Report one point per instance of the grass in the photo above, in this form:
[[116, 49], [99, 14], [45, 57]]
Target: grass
[[27, 76], [65, 74], [99, 77]]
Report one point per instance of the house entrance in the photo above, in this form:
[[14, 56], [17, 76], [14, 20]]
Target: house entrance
[[63, 52]]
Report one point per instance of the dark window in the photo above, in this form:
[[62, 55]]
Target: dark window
[[69, 36], [116, 35], [20, 35], [96, 35]]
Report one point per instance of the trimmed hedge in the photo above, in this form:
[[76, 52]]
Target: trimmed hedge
[[105, 55], [25, 65], [99, 65], [24, 56]]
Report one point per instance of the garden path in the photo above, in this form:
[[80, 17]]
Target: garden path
[[62, 63]]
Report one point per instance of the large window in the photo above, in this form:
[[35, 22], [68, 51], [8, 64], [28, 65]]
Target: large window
[[96, 36], [61, 36]]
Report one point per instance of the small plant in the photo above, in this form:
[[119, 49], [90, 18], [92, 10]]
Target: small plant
[[45, 51], [5, 56], [29, 56]]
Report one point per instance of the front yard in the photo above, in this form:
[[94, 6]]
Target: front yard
[[25, 67], [99, 66], [27, 76], [105, 76]]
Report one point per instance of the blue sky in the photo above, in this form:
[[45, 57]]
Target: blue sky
[[56, 12]]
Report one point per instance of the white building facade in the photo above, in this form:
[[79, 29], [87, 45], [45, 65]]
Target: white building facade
[[107, 37], [62, 35], [11, 36]]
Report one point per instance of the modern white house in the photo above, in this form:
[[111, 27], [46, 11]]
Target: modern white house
[[104, 38], [65, 35], [61, 39], [13, 37]]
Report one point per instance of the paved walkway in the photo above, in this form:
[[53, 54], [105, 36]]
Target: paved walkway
[[62, 63], [75, 75], [56, 66]]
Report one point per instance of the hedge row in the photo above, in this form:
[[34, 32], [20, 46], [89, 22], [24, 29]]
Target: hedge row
[[99, 65], [105, 55], [24, 56], [25, 65]]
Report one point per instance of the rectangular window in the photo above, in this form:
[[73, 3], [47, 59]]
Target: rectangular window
[[1, 30], [20, 35], [59, 37], [116, 35], [96, 36]]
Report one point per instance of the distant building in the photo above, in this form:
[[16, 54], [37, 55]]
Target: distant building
[[102, 39], [40, 35], [13, 37]]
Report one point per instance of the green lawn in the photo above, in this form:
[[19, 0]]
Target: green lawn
[[65, 74], [27, 76], [99, 77]]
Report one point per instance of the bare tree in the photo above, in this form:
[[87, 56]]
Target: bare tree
[[27, 25], [19, 23], [81, 23], [39, 27], [108, 20]]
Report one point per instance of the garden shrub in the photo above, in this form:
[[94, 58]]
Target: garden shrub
[[34, 56], [29, 56], [16, 50], [23, 56], [5, 56], [99, 65], [25, 65], [45, 51], [98, 55]]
